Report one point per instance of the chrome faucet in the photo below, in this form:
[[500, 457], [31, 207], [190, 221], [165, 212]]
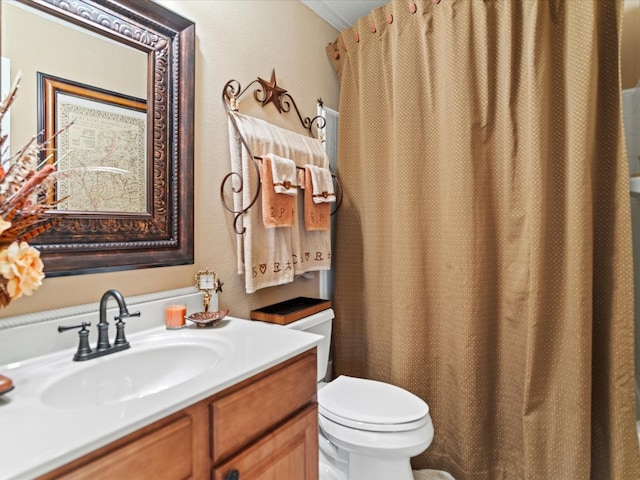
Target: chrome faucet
[[103, 347]]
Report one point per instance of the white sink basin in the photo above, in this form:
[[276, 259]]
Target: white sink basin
[[147, 368]]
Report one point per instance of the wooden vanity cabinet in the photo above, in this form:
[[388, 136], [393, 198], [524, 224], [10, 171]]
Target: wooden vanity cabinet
[[288, 452], [265, 427]]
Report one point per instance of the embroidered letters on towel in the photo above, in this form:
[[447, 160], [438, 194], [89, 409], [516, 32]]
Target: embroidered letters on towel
[[288, 265], [274, 256], [279, 191]]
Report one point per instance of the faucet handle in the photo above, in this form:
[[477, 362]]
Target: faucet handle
[[121, 340], [83, 346], [82, 326], [126, 314]]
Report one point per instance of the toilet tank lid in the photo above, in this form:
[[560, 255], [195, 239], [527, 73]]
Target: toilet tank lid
[[311, 321], [370, 402]]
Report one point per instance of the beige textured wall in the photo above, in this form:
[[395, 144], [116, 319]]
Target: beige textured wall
[[240, 40]]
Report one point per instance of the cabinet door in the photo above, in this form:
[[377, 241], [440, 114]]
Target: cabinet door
[[245, 415], [162, 453], [289, 452]]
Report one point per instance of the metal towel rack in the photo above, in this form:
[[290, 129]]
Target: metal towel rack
[[266, 92]]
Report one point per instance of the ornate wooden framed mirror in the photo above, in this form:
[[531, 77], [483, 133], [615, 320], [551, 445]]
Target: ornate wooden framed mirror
[[149, 221]]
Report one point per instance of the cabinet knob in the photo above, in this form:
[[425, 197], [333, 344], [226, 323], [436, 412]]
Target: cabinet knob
[[232, 475]]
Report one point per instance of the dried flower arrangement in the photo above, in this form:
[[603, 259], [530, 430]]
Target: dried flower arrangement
[[24, 182]]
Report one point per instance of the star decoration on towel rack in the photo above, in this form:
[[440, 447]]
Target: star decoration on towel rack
[[272, 92]]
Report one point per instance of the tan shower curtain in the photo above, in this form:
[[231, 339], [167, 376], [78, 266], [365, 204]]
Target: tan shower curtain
[[483, 255]]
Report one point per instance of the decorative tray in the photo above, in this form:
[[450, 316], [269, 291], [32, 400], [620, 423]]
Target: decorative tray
[[290, 310], [207, 319]]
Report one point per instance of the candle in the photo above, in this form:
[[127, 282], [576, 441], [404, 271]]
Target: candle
[[174, 316]]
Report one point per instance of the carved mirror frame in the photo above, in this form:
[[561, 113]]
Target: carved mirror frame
[[98, 242]]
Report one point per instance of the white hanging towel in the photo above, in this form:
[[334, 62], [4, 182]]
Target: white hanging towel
[[274, 256], [284, 174], [322, 182]]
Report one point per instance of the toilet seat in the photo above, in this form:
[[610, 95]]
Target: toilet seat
[[371, 405]]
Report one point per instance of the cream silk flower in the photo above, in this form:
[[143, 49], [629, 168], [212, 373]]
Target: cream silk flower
[[21, 266]]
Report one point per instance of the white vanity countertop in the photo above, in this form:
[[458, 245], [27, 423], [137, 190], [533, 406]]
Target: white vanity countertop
[[36, 438]]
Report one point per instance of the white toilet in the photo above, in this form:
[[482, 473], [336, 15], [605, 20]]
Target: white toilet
[[368, 430]]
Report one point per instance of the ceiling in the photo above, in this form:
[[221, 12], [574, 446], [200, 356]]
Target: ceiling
[[342, 14]]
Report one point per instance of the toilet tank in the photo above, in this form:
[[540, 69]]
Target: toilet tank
[[320, 324]]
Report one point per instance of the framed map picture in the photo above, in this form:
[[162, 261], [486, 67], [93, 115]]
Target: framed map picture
[[98, 141]]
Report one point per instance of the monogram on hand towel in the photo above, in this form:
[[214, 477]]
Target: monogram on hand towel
[[278, 209], [317, 216]]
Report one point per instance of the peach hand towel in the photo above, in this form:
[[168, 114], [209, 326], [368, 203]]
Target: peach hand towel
[[278, 209], [317, 216]]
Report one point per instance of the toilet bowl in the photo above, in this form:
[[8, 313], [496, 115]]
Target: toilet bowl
[[368, 430], [379, 427]]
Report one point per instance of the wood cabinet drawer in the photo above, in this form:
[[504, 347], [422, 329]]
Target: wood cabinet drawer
[[289, 452], [161, 453], [247, 413]]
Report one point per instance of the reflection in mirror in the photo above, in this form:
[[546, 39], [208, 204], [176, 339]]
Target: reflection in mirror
[[76, 53], [122, 72]]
